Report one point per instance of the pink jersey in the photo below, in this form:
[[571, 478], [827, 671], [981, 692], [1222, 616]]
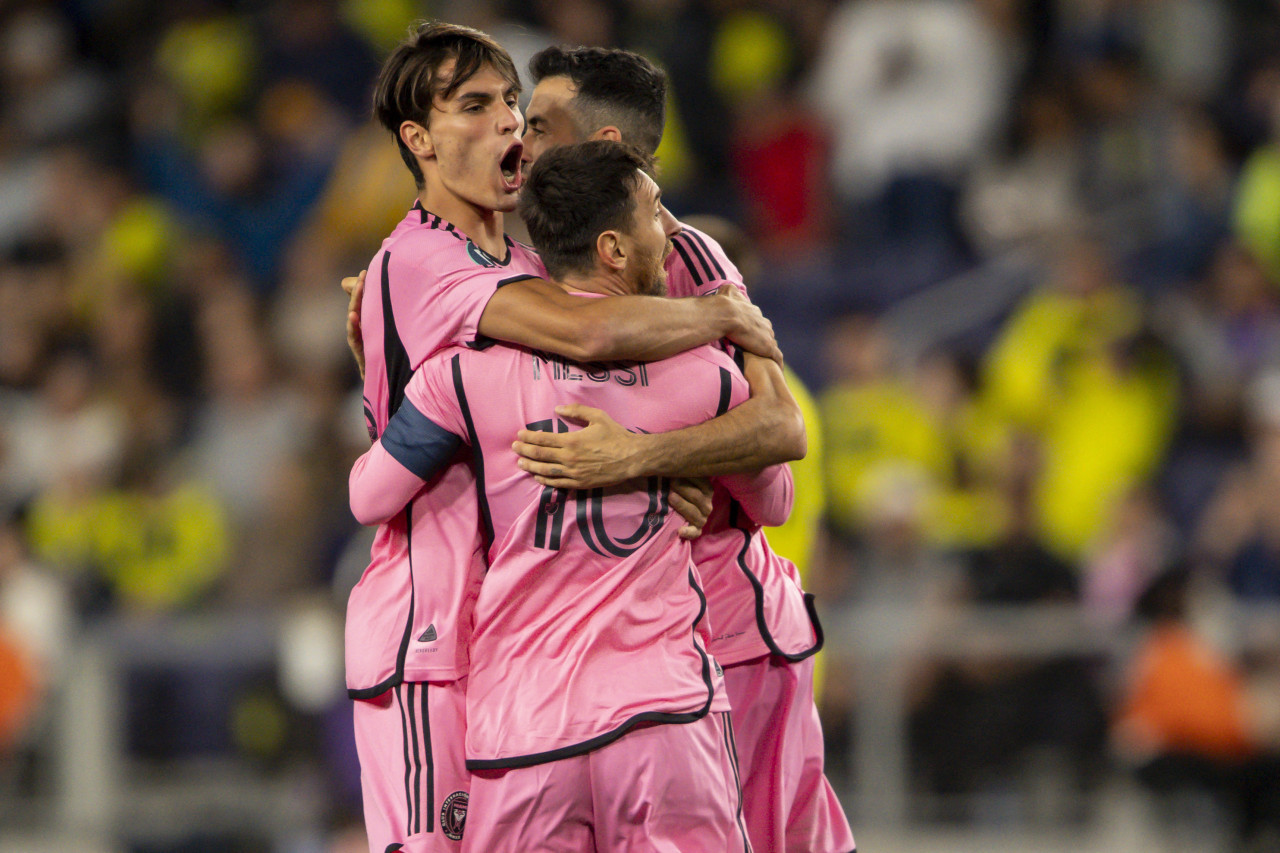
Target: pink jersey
[[755, 599], [408, 618], [590, 620]]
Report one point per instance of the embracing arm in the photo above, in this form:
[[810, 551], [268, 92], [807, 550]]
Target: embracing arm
[[766, 496], [537, 314], [765, 430], [411, 449]]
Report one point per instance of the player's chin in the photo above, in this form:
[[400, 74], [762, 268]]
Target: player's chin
[[506, 201]]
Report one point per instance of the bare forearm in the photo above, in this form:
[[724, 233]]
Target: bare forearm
[[540, 315], [747, 438]]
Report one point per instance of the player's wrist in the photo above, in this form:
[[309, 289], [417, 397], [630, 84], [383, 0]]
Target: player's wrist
[[643, 456]]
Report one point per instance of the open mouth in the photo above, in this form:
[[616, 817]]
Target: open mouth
[[510, 165]]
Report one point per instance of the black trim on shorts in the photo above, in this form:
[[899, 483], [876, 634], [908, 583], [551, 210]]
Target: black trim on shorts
[[404, 741], [415, 798], [609, 737], [431, 764], [731, 744], [735, 516]]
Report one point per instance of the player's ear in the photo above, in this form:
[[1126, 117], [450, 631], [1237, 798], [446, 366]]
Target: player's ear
[[417, 139], [610, 251], [608, 132]]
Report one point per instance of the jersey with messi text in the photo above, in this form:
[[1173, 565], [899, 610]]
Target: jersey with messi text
[[408, 617], [591, 619]]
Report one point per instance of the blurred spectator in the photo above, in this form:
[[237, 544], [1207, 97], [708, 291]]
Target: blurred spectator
[[1185, 720], [1239, 532], [1031, 191], [778, 149], [912, 91], [1074, 366], [36, 631]]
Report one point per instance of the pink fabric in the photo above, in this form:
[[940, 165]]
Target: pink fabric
[[414, 794], [744, 580], [590, 618], [668, 788], [789, 804], [409, 616]]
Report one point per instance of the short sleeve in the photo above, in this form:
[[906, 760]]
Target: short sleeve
[[433, 391]]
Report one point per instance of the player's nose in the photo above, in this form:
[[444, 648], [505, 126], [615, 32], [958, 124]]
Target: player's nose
[[670, 225]]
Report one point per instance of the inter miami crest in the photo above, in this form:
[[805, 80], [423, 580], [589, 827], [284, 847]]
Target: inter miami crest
[[453, 815], [480, 256]]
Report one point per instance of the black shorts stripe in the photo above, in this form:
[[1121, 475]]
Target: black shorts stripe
[[711, 256], [408, 776], [415, 802], [731, 744], [430, 762], [688, 261]]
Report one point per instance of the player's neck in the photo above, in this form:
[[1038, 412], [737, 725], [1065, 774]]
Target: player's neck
[[604, 283], [481, 225]]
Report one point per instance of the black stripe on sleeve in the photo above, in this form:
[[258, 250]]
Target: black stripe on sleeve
[[693, 246], [694, 235], [477, 457], [394, 353], [726, 392], [417, 442], [688, 262]]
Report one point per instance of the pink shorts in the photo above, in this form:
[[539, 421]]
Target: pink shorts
[[788, 802], [412, 769], [671, 787]]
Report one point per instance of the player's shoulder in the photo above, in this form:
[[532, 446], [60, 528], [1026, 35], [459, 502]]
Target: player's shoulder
[[712, 355], [703, 258]]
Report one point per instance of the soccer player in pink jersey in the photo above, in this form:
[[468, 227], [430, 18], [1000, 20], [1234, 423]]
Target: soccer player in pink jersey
[[446, 276], [765, 629], [595, 715]]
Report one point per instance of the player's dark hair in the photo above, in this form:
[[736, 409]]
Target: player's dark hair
[[615, 87], [409, 81], [573, 194]]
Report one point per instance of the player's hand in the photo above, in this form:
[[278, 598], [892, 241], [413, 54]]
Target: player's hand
[[599, 454], [353, 286], [692, 500], [752, 330]]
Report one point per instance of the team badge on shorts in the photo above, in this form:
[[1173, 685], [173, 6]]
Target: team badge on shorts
[[453, 815]]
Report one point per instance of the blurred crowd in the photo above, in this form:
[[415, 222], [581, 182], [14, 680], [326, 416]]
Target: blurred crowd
[[1025, 253]]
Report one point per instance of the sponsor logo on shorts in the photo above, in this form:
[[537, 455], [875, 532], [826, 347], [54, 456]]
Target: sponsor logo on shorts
[[429, 635], [453, 815]]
